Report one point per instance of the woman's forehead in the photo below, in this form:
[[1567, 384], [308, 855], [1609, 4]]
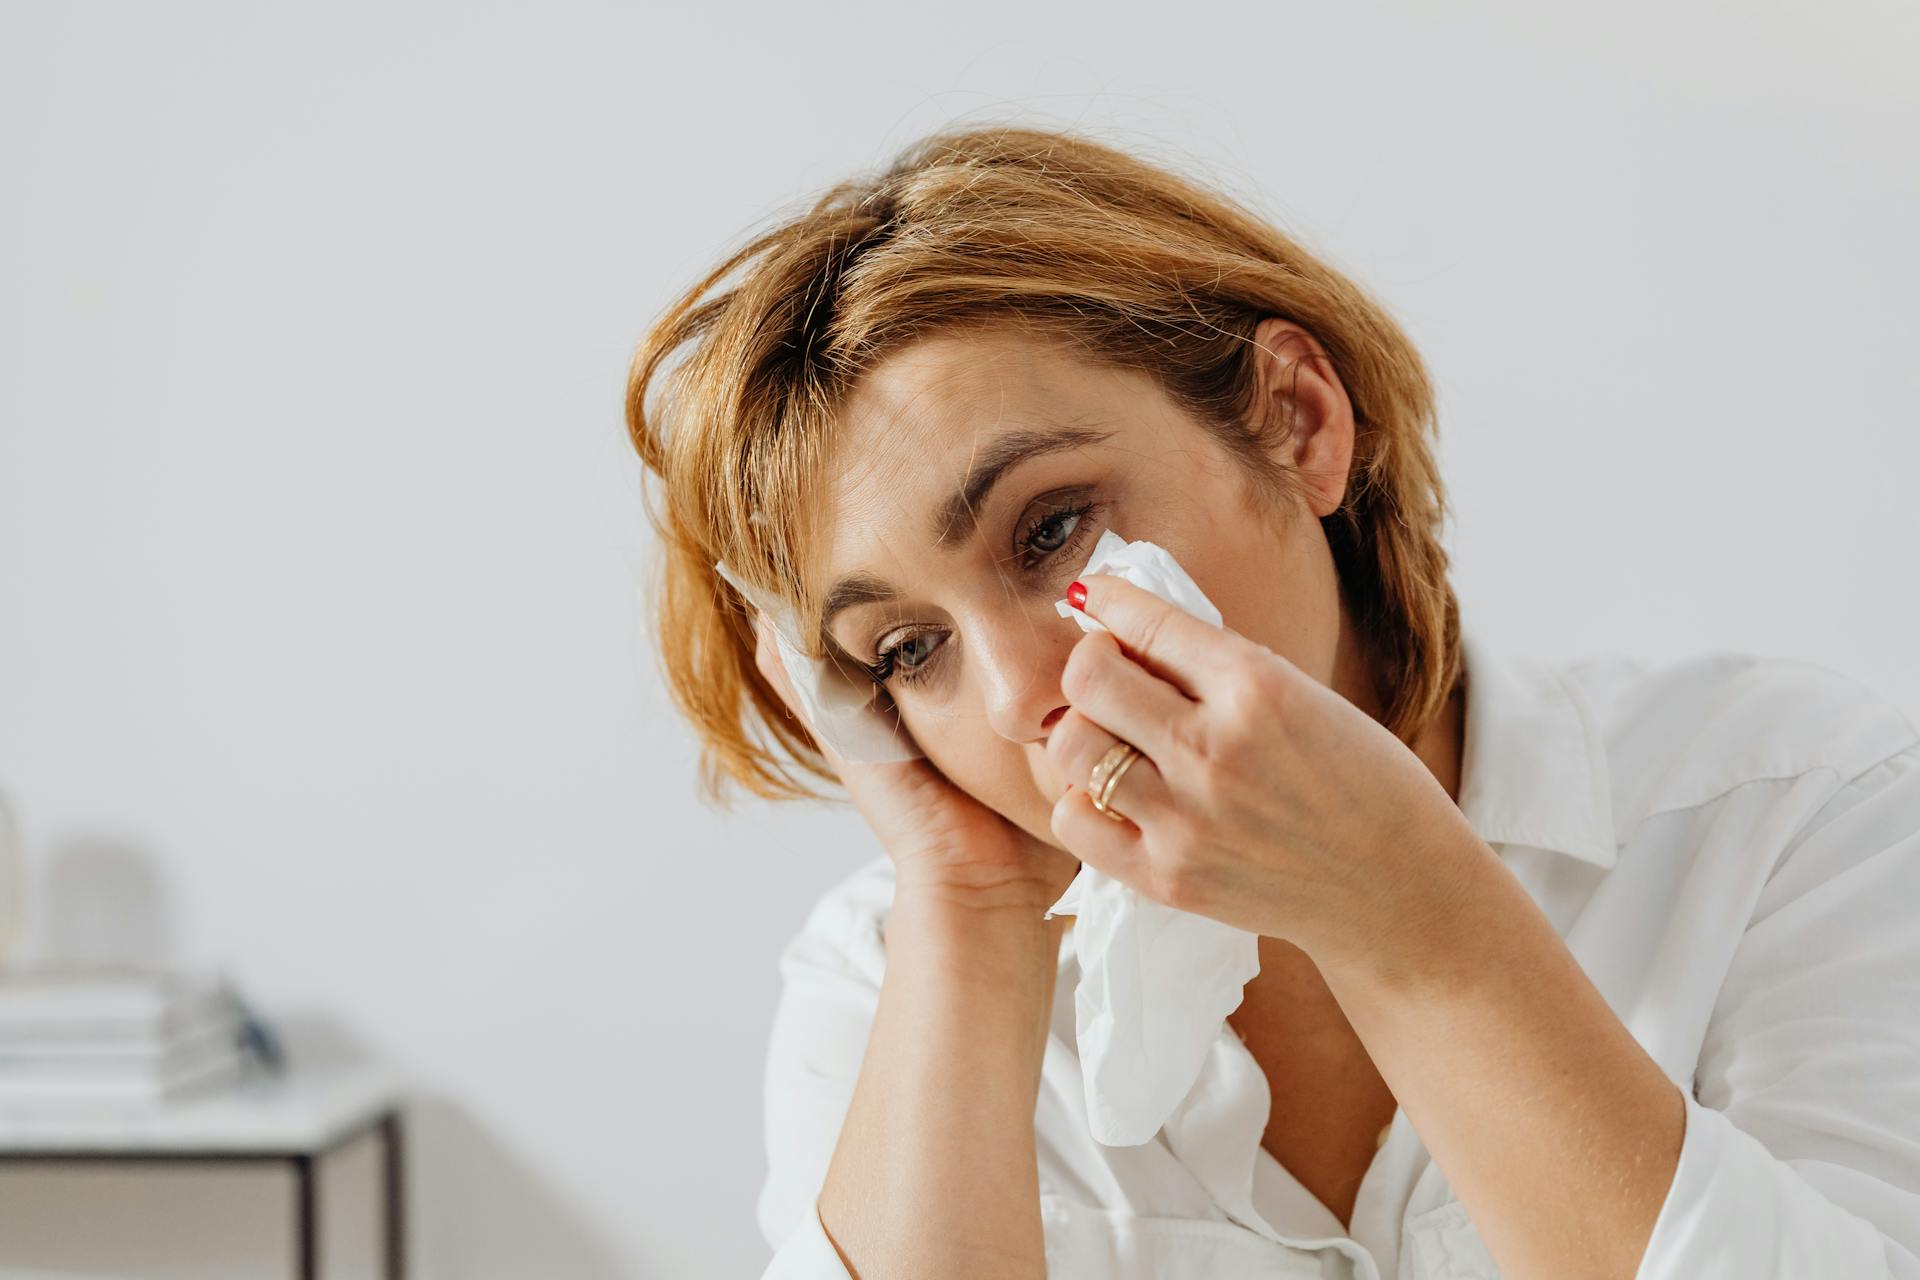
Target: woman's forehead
[[924, 411]]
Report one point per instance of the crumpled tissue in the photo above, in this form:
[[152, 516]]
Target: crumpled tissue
[[840, 707], [1156, 984]]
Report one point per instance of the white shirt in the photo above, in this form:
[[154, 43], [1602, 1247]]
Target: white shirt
[[1730, 848]]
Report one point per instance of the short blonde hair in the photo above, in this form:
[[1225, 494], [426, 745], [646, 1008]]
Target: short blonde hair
[[1130, 263]]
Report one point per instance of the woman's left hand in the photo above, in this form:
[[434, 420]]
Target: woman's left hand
[[1264, 799]]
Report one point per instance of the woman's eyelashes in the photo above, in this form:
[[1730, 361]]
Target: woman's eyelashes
[[1052, 533], [891, 666], [1048, 539]]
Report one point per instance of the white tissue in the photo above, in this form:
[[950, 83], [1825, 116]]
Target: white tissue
[[1156, 984], [1144, 564], [839, 707]]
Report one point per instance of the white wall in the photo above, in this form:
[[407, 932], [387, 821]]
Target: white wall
[[319, 547]]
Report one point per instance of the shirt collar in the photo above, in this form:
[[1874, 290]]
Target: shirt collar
[[1534, 769]]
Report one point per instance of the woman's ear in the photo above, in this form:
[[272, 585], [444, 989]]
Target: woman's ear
[[1299, 385]]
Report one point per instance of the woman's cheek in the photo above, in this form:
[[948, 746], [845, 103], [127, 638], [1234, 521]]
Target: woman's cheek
[[1007, 778]]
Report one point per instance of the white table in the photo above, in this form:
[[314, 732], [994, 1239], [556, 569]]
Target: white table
[[296, 1118]]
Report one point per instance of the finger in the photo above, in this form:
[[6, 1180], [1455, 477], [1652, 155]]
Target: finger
[[1077, 744], [1169, 641], [1119, 694], [1117, 848]]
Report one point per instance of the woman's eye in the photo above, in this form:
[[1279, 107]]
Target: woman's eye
[[1054, 531], [907, 660], [916, 649], [1046, 539]]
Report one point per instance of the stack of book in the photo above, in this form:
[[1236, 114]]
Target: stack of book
[[88, 1037]]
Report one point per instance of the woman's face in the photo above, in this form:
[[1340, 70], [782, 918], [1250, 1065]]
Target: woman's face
[[972, 475]]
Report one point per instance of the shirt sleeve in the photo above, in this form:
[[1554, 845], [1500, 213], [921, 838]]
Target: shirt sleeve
[[829, 992], [807, 1254], [1801, 1157]]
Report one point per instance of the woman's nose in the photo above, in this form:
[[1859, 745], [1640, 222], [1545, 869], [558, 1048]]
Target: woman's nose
[[1021, 662]]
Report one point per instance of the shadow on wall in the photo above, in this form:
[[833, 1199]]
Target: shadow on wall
[[103, 901], [480, 1211]]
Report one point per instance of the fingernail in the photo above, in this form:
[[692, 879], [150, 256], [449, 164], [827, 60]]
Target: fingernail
[[1077, 595]]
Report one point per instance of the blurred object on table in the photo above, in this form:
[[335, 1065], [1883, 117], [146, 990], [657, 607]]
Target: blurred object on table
[[116, 1037]]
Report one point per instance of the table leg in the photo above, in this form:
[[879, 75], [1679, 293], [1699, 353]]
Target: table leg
[[396, 1226], [306, 1241]]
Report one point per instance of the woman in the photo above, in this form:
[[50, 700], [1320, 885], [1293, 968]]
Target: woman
[[1600, 970]]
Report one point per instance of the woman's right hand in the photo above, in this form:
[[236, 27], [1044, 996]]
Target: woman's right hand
[[943, 842]]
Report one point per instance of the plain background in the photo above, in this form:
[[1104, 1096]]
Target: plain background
[[321, 648]]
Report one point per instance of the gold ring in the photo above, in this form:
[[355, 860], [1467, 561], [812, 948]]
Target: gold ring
[[1106, 776]]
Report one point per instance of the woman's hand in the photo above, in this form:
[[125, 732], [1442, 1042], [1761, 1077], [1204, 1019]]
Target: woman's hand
[[942, 840], [1264, 799]]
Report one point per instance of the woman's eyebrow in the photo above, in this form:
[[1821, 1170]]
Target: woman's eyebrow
[[855, 588], [954, 520]]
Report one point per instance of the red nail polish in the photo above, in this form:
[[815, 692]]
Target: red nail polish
[[1077, 595]]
